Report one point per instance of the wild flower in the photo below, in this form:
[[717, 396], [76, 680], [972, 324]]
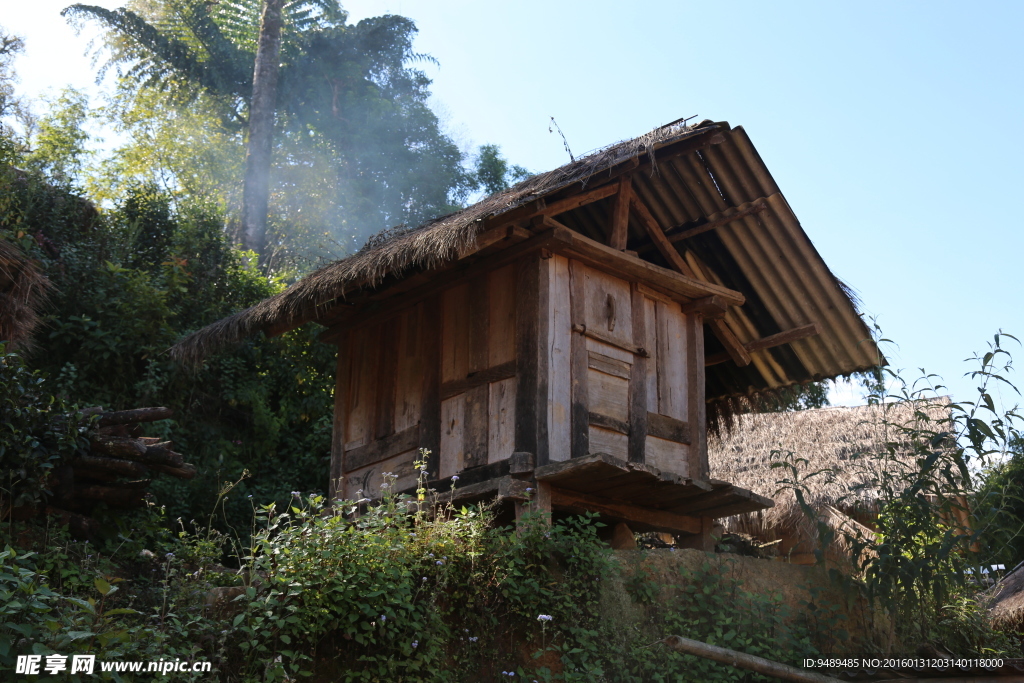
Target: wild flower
[[146, 554], [383, 617], [169, 556], [295, 494], [473, 639], [439, 562], [543, 617], [455, 478]]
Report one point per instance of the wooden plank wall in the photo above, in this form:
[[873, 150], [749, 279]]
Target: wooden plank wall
[[478, 371], [386, 389], [630, 389], [543, 355]]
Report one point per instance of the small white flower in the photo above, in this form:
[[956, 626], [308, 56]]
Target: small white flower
[[543, 617]]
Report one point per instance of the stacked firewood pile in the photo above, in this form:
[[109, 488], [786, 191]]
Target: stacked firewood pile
[[118, 468]]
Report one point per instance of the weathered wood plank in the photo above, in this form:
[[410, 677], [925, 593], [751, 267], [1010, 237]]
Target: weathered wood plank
[[696, 407], [668, 456], [453, 420], [474, 433], [608, 308], [409, 393], [608, 365], [609, 346], [380, 449], [368, 479], [387, 379], [672, 362], [607, 441], [502, 419], [609, 423], [620, 215], [455, 337], [476, 379], [645, 519], [638, 381], [609, 395], [665, 427], [502, 314], [341, 400], [479, 322], [365, 353], [579, 362], [430, 404], [559, 367]]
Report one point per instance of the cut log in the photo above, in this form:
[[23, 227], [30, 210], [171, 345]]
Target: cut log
[[186, 471], [123, 417], [117, 446], [161, 455], [741, 660], [114, 497], [124, 468]]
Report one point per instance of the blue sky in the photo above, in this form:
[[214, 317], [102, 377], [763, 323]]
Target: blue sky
[[888, 126]]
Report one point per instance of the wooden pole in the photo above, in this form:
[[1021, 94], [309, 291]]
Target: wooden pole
[[742, 660]]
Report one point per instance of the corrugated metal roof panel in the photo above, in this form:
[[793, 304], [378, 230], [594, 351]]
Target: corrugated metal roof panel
[[765, 255]]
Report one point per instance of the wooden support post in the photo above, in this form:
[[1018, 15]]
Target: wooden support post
[[430, 421], [637, 447], [539, 503], [695, 402], [532, 289], [700, 541], [622, 537], [579, 362], [619, 233]]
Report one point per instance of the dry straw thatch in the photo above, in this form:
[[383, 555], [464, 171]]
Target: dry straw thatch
[[401, 250], [23, 291], [1006, 602], [847, 447]]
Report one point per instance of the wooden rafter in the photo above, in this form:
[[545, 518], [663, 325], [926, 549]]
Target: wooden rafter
[[757, 207], [724, 333], [620, 215], [769, 342]]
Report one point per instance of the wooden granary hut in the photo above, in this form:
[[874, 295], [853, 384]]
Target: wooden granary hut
[[571, 334]]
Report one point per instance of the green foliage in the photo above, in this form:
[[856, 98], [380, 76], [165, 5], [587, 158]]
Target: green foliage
[[128, 284], [915, 566], [59, 144], [357, 149], [35, 432], [494, 173]]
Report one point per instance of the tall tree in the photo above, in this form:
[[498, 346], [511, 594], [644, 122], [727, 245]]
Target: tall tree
[[356, 147], [256, 192]]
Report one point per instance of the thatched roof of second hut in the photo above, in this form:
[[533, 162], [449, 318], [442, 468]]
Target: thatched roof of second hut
[[846, 445]]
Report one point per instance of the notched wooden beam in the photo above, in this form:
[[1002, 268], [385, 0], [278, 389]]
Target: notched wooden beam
[[769, 342], [711, 307]]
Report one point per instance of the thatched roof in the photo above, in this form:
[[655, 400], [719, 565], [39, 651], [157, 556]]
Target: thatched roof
[[1006, 606], [23, 291], [844, 444], [713, 198]]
